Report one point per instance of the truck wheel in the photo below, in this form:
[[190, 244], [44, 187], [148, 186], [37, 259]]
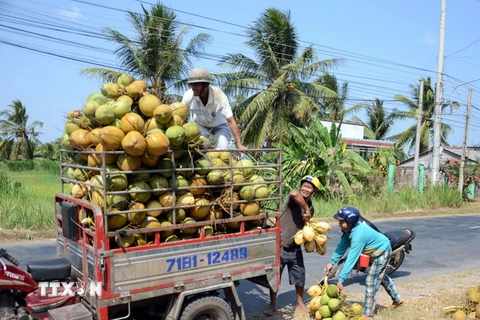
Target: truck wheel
[[207, 308]]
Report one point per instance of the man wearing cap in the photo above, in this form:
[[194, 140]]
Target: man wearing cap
[[211, 109]]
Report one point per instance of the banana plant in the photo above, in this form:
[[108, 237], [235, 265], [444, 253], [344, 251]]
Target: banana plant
[[317, 151]]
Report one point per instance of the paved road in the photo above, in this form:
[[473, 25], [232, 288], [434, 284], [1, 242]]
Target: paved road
[[442, 245]]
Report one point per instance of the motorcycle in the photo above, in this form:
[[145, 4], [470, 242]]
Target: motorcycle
[[401, 242], [21, 297]]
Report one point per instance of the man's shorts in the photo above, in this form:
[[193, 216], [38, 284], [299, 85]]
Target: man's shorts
[[293, 259]]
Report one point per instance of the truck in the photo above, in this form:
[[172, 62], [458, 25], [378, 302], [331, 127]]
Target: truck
[[169, 265]]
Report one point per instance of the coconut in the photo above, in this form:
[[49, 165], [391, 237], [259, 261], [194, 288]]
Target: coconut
[[248, 169], [157, 143], [158, 182], [97, 97], [166, 233], [334, 304], [180, 109], [176, 135], [150, 222], [179, 182], [166, 199], [186, 229], [139, 191], [298, 238], [132, 122], [96, 160], [116, 221], [94, 136], [119, 201], [176, 216], [250, 208], [459, 315], [105, 114], [126, 99], [192, 131], [66, 142], [127, 162], [186, 199], [125, 241], [172, 238], [135, 90], [163, 113], [339, 315], [247, 193], [147, 104], [134, 143], [111, 137], [308, 233], [196, 182], [186, 167], [70, 126], [136, 217], [314, 291], [201, 210], [80, 174], [79, 139], [97, 198], [165, 166], [79, 191], [309, 246], [112, 90], [121, 108], [314, 303], [117, 181], [214, 214], [155, 206], [149, 160], [332, 291], [202, 165], [216, 177], [325, 311], [151, 125], [125, 79], [261, 191]]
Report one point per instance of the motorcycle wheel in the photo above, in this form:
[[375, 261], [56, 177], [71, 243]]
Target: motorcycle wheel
[[395, 262]]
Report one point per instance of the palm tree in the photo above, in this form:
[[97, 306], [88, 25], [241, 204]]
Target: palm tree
[[277, 84], [155, 54], [17, 138], [334, 108], [378, 123], [408, 137]]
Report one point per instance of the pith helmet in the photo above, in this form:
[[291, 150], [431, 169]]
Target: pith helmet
[[199, 75]]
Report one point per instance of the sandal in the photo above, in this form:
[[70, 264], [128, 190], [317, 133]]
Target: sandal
[[396, 305]]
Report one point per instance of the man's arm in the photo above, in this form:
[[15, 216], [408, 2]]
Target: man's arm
[[236, 133], [297, 197]]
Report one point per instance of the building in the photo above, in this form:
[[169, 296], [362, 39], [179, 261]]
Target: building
[[446, 153]]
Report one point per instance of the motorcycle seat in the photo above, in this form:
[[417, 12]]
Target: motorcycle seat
[[399, 237], [49, 270]]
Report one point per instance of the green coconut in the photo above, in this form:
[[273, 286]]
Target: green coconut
[[188, 229], [215, 177], [203, 164], [261, 191], [247, 172], [247, 193], [116, 221], [139, 191], [121, 108], [158, 182], [90, 107], [98, 97], [112, 90], [117, 181], [176, 135], [105, 114], [166, 166], [324, 310], [334, 304], [154, 208], [176, 216], [332, 291], [65, 141], [192, 131], [126, 99], [339, 315], [119, 201], [324, 299], [179, 182], [125, 79]]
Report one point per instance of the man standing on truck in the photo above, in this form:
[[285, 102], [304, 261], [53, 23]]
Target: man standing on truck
[[211, 109], [296, 211]]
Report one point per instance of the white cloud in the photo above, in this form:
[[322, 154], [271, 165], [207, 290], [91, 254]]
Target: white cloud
[[72, 14]]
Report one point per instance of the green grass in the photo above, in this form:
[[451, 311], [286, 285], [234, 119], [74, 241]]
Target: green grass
[[27, 199]]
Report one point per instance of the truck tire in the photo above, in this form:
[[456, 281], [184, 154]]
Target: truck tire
[[207, 308]]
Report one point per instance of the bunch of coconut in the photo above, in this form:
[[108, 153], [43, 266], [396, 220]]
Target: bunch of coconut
[[470, 310], [151, 181], [313, 236], [328, 303]]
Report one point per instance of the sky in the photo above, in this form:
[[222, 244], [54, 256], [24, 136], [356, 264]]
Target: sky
[[385, 47]]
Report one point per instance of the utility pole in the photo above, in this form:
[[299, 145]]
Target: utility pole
[[438, 98], [417, 138], [464, 147]]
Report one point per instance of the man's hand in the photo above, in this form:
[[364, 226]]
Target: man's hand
[[340, 286], [241, 146], [328, 269], [307, 215]]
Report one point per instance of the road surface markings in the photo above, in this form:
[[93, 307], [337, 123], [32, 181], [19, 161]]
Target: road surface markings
[[476, 227]]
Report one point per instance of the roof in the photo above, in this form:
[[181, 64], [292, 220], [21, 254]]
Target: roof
[[473, 153], [368, 143]]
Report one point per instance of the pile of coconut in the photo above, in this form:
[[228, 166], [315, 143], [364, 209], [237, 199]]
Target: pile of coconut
[[328, 303], [470, 310], [313, 236], [147, 167]]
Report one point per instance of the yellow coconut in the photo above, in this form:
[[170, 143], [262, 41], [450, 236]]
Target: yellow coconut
[[116, 221], [139, 191], [153, 125], [132, 122], [166, 199], [320, 239], [180, 109], [136, 89], [176, 216], [150, 222], [154, 208], [134, 143], [127, 162], [196, 182], [96, 160], [113, 90], [125, 79], [79, 191], [315, 291], [186, 199], [189, 229], [308, 233], [157, 143], [321, 226], [247, 193], [201, 210], [136, 217], [250, 208], [126, 241], [163, 113], [147, 104], [298, 238], [149, 160], [125, 98], [261, 191], [94, 136], [309, 246], [192, 131], [111, 137], [79, 139]]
